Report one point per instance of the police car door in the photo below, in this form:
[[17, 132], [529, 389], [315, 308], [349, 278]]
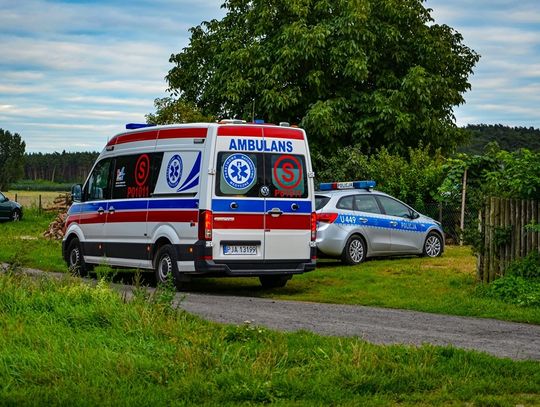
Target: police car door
[[406, 235]]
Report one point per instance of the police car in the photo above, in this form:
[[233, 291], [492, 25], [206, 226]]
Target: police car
[[355, 222]]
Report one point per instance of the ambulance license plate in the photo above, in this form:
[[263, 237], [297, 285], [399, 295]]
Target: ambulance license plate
[[239, 250]]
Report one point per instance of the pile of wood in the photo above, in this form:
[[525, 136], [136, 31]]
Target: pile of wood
[[61, 203], [56, 227]]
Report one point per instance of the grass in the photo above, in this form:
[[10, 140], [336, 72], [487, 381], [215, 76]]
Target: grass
[[30, 199], [66, 343], [443, 285]]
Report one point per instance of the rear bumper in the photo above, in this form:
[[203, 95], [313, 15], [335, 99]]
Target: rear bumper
[[248, 268], [253, 269]]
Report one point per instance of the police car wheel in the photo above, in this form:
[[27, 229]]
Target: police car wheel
[[75, 259], [166, 266], [354, 251], [433, 245]]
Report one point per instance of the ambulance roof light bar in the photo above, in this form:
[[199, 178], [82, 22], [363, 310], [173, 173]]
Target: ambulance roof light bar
[[329, 186], [133, 126]]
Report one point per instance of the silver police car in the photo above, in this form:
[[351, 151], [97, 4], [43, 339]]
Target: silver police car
[[355, 222]]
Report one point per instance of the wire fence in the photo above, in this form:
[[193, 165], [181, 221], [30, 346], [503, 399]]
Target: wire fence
[[449, 214]]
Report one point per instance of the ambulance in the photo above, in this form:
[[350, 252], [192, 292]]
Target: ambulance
[[198, 200]]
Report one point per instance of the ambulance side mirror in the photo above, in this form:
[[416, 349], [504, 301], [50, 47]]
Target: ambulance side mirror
[[76, 193]]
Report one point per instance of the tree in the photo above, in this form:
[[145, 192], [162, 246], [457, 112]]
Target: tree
[[11, 158], [351, 72], [169, 111]]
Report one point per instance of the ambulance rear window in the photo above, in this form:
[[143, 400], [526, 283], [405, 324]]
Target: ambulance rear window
[[267, 175]]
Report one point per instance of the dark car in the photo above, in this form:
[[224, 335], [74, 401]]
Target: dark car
[[9, 210]]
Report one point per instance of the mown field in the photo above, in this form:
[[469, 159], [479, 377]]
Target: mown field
[[30, 199], [443, 285]]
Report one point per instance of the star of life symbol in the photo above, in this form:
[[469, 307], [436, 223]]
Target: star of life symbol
[[174, 171], [239, 171]]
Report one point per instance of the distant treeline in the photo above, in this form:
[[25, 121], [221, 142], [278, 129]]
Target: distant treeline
[[508, 138], [74, 167], [58, 167]]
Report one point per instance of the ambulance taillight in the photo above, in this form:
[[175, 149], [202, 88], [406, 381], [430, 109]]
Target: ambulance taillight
[[205, 225], [313, 226]]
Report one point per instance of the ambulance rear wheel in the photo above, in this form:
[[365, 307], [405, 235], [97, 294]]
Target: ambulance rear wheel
[[354, 251], [166, 266], [274, 281]]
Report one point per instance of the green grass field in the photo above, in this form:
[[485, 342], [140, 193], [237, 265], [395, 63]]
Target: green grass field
[[66, 343]]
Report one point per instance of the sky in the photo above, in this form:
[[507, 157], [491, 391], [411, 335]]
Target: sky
[[73, 73]]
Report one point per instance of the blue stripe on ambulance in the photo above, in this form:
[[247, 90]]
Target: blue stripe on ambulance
[[370, 221], [134, 205]]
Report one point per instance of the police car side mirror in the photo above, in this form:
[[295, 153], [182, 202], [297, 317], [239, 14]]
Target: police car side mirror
[[414, 215], [76, 193]]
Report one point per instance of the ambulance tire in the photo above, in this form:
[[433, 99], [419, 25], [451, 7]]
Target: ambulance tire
[[166, 266], [354, 251], [75, 259], [274, 281]]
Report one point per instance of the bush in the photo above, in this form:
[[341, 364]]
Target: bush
[[516, 290], [528, 267]]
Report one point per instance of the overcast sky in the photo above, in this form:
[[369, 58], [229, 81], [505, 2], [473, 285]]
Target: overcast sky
[[72, 73]]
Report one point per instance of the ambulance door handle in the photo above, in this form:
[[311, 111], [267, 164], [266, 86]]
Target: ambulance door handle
[[294, 206], [275, 212], [233, 205], [111, 209], [101, 210]]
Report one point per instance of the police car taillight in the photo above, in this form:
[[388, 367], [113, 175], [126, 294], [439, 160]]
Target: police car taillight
[[329, 186], [327, 217], [205, 225]]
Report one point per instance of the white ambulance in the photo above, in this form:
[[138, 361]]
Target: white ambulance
[[202, 199]]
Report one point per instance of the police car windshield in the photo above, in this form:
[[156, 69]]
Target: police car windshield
[[321, 201]]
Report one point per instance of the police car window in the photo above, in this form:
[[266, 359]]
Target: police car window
[[394, 208], [239, 174], [321, 201], [98, 185], [366, 203], [346, 203], [135, 175]]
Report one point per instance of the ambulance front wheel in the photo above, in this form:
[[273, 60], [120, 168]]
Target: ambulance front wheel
[[166, 266], [274, 281], [75, 259]]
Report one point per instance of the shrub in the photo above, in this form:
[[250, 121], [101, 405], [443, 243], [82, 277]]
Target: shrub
[[516, 290]]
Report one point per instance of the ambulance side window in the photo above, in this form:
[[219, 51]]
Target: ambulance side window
[[135, 176], [99, 185]]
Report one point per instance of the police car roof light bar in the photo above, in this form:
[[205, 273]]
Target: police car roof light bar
[[133, 126], [329, 186]]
